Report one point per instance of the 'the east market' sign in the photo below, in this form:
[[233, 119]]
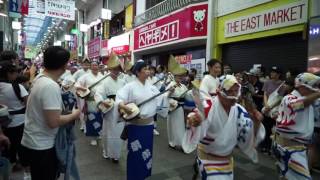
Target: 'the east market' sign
[[287, 15]]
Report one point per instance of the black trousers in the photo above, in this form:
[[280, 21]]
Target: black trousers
[[15, 135], [43, 163], [268, 125]]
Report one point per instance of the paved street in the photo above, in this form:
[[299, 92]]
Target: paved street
[[168, 164]]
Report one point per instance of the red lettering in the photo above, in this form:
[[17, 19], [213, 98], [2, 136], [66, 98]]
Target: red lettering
[[279, 15], [286, 15], [274, 18], [267, 19]]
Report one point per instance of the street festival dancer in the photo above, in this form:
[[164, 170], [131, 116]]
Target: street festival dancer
[[93, 117], [105, 96], [227, 125], [294, 127], [175, 123], [140, 129]]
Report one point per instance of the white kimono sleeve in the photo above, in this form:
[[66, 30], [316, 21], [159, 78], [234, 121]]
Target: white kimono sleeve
[[81, 81], [193, 135], [247, 140], [162, 104], [121, 96], [101, 93]]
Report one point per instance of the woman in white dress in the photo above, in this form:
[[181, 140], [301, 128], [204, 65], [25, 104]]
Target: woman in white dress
[[176, 122], [140, 130], [105, 95], [93, 117]]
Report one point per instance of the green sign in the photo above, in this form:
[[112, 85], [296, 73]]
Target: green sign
[[74, 31], [30, 52]]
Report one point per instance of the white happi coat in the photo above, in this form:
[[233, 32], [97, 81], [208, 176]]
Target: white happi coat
[[76, 76], [152, 80], [295, 121], [176, 124], [208, 86], [86, 81], [220, 133], [65, 75], [136, 92], [80, 73], [111, 129], [129, 78]]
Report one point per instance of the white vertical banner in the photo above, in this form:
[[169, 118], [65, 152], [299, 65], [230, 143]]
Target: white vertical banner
[[64, 9]]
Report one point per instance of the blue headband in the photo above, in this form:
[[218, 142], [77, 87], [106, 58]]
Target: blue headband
[[138, 66]]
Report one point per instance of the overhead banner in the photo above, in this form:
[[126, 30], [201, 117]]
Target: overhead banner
[[18, 8], [283, 16], [94, 47], [64, 9]]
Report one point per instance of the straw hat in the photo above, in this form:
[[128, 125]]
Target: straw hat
[[113, 61], [128, 65], [175, 68], [196, 83]]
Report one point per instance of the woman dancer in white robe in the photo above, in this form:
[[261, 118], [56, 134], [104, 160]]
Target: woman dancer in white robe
[[140, 130], [227, 125], [92, 116], [111, 130], [76, 76], [176, 122]]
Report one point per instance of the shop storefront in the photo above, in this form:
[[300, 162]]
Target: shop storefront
[[119, 45], [181, 33], [314, 45], [272, 33]]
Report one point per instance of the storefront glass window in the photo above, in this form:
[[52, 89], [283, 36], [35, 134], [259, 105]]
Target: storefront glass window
[[314, 45]]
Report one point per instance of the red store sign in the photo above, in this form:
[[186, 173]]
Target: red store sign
[[184, 59], [186, 23], [94, 48], [120, 49]]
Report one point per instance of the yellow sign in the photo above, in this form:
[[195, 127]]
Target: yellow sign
[[129, 17]]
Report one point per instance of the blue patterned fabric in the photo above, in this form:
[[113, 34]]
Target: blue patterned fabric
[[93, 124], [140, 145]]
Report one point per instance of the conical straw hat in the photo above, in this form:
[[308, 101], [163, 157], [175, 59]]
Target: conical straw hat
[[113, 61], [128, 65], [175, 68], [196, 83]]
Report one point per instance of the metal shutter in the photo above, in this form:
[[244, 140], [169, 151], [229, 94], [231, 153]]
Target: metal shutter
[[288, 51]]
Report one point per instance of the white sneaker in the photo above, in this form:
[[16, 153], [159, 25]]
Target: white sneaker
[[155, 132], [26, 176], [93, 142]]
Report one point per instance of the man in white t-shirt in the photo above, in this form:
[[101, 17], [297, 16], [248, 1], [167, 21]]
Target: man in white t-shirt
[[43, 116]]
